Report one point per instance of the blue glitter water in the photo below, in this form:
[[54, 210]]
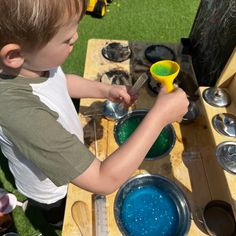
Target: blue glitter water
[[149, 211]]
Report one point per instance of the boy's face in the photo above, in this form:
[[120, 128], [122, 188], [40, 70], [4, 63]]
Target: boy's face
[[55, 52]]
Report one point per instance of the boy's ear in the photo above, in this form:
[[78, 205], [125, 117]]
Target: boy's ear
[[11, 56]]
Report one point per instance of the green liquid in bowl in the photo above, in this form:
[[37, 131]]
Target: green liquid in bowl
[[162, 145]]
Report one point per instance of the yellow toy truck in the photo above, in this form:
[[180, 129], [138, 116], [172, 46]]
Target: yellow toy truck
[[97, 7]]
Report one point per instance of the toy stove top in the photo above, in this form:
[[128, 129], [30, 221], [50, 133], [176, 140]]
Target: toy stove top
[[122, 62], [192, 162]]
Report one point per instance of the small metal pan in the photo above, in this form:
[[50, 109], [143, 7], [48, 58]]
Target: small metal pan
[[218, 219]]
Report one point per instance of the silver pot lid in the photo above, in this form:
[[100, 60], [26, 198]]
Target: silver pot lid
[[225, 124], [226, 156], [217, 97]]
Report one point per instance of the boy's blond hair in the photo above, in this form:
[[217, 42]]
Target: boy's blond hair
[[32, 23]]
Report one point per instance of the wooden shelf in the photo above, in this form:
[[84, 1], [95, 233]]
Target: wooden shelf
[[227, 81], [211, 111]]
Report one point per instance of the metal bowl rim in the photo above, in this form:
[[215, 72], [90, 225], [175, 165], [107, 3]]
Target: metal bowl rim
[[169, 49], [218, 157], [144, 111], [110, 59], [225, 114], [183, 198], [221, 204]]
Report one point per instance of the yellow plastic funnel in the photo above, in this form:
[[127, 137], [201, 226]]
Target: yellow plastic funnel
[[165, 72]]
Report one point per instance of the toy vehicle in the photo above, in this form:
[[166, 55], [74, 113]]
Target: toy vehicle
[[98, 7]]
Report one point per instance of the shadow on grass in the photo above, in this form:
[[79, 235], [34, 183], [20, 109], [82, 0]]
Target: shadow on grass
[[33, 214]]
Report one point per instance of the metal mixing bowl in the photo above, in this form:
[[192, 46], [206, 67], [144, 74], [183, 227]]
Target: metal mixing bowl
[[114, 111], [146, 219], [126, 125]]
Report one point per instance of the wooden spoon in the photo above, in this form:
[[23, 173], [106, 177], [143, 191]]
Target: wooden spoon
[[80, 214]]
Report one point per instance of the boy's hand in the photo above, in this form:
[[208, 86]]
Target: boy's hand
[[172, 106], [120, 94]]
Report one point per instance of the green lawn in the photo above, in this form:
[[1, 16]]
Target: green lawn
[[134, 20]]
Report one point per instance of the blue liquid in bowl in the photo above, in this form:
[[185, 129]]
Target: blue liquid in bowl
[[149, 211]]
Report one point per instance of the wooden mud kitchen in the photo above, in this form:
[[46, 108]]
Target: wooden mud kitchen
[[201, 160]]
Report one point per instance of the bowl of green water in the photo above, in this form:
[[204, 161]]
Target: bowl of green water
[[129, 122]]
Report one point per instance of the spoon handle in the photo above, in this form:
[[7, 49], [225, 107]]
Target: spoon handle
[[135, 88], [139, 83]]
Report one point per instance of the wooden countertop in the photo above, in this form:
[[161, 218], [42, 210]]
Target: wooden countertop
[[191, 164]]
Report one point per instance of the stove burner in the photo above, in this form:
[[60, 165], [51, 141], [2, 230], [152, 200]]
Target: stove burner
[[226, 156], [116, 52], [118, 77], [216, 97], [157, 52], [225, 124]]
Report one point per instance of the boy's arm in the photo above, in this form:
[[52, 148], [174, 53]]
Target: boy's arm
[[79, 87], [105, 177]]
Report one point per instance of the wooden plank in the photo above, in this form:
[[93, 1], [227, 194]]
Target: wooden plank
[[112, 146], [96, 64], [228, 72], [222, 184], [94, 126], [95, 134], [232, 89]]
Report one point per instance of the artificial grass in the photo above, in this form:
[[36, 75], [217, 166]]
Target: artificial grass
[[133, 20]]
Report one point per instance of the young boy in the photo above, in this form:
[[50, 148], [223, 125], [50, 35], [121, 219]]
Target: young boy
[[40, 133]]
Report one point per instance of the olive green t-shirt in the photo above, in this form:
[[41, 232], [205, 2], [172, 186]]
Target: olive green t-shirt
[[41, 135]]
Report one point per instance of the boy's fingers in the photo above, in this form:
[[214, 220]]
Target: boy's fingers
[[163, 90], [175, 86]]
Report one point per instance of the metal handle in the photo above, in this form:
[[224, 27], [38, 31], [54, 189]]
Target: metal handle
[[134, 89], [139, 83]]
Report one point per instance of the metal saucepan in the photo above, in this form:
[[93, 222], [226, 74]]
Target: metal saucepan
[[129, 122]]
